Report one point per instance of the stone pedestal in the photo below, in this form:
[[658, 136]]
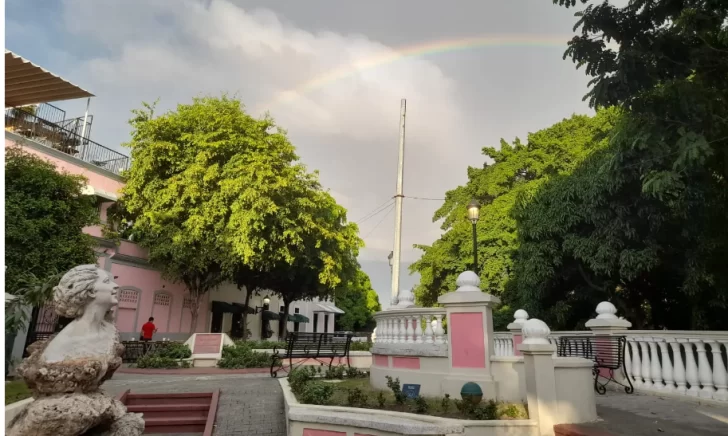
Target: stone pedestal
[[470, 336]]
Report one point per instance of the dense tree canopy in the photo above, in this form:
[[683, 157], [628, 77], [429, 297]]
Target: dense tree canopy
[[640, 217], [216, 194], [514, 168], [45, 212], [642, 223], [359, 300]]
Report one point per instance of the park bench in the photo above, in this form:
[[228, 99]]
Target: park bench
[[607, 353], [133, 350], [305, 346]]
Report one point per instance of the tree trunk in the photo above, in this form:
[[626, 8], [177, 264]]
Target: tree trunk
[[194, 311], [245, 311]]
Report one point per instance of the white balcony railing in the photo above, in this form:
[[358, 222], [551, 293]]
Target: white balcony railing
[[503, 345], [411, 332]]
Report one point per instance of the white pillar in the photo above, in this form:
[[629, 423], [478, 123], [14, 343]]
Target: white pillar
[[667, 370], [646, 364], [519, 318], [636, 362], [691, 369], [719, 374], [704, 372], [655, 369]]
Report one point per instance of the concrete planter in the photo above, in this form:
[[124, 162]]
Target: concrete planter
[[325, 420]]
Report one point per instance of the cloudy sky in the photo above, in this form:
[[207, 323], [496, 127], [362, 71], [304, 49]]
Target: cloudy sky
[[332, 73]]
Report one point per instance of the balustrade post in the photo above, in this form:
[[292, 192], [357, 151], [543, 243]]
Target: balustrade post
[[469, 336], [705, 374], [667, 370], [409, 331], [646, 364], [719, 374], [418, 328], [691, 369], [636, 362], [678, 368], [439, 331], [516, 328], [655, 369], [402, 330], [607, 323], [429, 333]]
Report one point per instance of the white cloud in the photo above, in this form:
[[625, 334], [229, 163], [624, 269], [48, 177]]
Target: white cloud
[[346, 126]]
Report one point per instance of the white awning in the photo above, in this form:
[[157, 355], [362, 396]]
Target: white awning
[[27, 83], [328, 308]]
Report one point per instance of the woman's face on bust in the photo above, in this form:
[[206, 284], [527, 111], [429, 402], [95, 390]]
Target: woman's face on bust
[[106, 289]]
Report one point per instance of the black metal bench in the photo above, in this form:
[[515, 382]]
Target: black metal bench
[[315, 346], [133, 350], [607, 353]]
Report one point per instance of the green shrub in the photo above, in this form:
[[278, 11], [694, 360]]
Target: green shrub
[[263, 345], [399, 396], [354, 373], [445, 403], [356, 398], [420, 405], [174, 350], [241, 355], [154, 361], [512, 411], [335, 372], [360, 346], [381, 399], [316, 393], [299, 377]]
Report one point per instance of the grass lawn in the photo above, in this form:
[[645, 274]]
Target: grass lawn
[[371, 398], [16, 391]]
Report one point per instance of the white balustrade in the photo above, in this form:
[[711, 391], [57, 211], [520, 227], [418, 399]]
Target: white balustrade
[[678, 362], [503, 344], [411, 328]]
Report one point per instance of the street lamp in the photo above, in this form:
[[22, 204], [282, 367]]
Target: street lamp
[[266, 303], [473, 215]]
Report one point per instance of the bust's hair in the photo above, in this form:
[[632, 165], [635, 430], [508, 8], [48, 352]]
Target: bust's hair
[[75, 290]]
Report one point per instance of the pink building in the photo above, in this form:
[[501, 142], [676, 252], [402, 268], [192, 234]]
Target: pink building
[[44, 130]]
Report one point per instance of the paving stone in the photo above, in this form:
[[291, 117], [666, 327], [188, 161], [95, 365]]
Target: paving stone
[[250, 404]]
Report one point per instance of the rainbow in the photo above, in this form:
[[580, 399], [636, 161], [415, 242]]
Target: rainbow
[[429, 48]]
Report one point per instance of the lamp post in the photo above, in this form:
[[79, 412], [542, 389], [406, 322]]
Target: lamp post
[[473, 215]]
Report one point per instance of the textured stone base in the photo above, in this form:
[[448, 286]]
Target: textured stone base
[[75, 414]]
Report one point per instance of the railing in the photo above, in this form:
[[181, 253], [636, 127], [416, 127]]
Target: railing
[[691, 363], [54, 136], [415, 331]]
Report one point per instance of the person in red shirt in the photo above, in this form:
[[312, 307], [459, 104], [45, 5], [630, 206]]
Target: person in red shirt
[[148, 330]]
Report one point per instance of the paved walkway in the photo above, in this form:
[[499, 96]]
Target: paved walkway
[[250, 404], [638, 415]]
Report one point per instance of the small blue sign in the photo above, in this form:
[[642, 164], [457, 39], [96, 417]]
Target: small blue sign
[[412, 391]]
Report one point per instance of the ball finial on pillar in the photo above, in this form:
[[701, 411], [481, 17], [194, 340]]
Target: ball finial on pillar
[[606, 310], [535, 331], [468, 281]]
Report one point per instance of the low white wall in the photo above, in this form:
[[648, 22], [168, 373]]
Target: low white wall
[[508, 372], [575, 390], [318, 420], [13, 409]]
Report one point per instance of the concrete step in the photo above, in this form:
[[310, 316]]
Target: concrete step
[[170, 410], [174, 425]]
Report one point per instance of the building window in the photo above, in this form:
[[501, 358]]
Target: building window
[[326, 323], [296, 310], [315, 322], [295, 324], [282, 309], [161, 311]]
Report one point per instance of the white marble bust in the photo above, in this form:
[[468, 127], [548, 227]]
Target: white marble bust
[[86, 293]]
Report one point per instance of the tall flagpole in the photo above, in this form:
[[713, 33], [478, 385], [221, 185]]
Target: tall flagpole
[[398, 207]]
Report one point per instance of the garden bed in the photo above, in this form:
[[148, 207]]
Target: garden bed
[[343, 387]]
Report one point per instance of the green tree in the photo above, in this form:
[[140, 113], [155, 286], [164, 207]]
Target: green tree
[[216, 195], [45, 213], [514, 168], [643, 222], [360, 301]]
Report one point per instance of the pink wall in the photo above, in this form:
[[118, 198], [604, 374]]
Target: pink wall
[[167, 318], [467, 340], [131, 249], [96, 180], [406, 362], [517, 340], [380, 360]]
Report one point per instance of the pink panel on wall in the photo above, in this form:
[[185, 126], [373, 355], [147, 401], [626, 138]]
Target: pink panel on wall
[[380, 360], [406, 362], [467, 340], [93, 231], [517, 340], [125, 319], [317, 432]]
